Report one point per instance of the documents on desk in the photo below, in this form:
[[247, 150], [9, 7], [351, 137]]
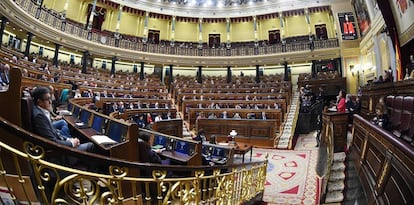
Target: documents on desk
[[103, 140], [64, 112], [158, 148], [215, 159], [332, 109], [81, 125]]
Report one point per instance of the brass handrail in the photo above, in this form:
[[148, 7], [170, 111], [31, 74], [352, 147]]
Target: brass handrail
[[25, 159]]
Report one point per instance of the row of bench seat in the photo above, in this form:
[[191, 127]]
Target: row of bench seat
[[400, 110]]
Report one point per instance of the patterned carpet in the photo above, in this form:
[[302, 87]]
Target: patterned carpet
[[291, 177]]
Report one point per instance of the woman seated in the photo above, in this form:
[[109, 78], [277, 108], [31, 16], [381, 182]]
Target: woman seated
[[341, 105]]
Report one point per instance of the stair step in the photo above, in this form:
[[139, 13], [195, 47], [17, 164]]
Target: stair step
[[339, 157], [336, 186], [337, 175], [335, 196], [338, 166]]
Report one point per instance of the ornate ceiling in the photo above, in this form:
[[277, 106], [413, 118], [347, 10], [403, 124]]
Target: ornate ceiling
[[221, 8]]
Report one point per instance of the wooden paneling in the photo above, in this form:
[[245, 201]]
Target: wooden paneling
[[373, 92], [339, 122], [170, 127], [256, 132], [384, 162]]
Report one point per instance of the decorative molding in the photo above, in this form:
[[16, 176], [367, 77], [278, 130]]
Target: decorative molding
[[27, 22], [407, 36]]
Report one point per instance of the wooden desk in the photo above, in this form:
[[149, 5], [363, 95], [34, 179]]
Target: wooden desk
[[240, 148], [177, 156], [187, 152], [86, 132], [255, 132], [384, 163], [339, 123]]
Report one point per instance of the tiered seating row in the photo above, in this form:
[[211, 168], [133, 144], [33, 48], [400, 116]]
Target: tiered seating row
[[401, 116], [384, 163]]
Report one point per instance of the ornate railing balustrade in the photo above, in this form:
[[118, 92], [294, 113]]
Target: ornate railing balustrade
[[57, 21], [29, 173], [36, 169]]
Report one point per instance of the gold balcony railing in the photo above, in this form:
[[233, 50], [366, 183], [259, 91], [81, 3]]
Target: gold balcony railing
[[57, 21], [36, 170]]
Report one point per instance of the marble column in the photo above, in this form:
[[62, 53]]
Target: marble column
[[91, 15], [228, 74], [28, 43], [85, 61], [114, 59], [171, 73], [4, 21], [286, 74], [118, 22], [56, 56], [200, 32], [141, 73], [199, 74]]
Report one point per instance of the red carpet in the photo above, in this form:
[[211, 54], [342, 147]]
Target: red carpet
[[291, 177]]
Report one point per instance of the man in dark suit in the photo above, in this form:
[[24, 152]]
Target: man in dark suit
[[146, 152], [140, 121], [42, 124]]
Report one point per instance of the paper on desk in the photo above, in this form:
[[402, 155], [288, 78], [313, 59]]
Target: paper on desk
[[103, 139]]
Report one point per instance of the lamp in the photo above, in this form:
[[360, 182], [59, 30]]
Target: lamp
[[231, 138]]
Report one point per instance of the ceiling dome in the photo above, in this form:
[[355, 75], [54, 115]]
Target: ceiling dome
[[221, 8]]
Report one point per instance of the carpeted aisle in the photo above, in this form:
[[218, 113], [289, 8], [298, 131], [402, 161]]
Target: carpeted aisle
[[291, 176]]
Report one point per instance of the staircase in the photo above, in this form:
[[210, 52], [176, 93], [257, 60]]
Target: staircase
[[336, 182], [284, 141]]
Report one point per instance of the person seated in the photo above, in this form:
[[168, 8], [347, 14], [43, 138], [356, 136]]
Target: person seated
[[348, 103], [251, 116], [169, 116], [263, 116], [150, 121], [341, 106], [224, 115], [381, 118], [357, 105], [212, 116], [60, 125], [236, 116], [147, 154], [158, 118], [121, 107], [213, 139], [140, 121], [407, 73], [42, 124], [201, 116], [201, 136]]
